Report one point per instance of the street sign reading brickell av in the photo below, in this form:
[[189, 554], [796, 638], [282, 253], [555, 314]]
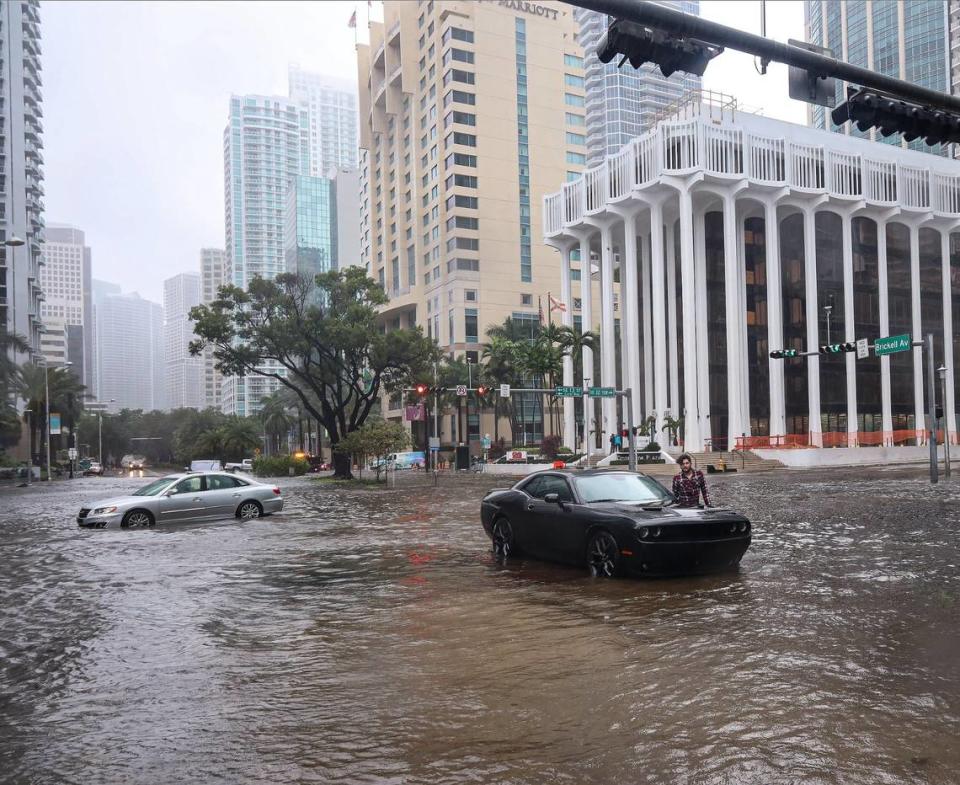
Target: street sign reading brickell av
[[602, 392], [568, 392], [892, 344]]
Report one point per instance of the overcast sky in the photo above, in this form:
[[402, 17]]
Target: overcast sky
[[136, 97]]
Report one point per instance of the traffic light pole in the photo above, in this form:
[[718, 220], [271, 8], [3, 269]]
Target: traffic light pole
[[931, 407], [688, 26]]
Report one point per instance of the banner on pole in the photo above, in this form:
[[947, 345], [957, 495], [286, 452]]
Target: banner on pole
[[416, 412], [54, 423]]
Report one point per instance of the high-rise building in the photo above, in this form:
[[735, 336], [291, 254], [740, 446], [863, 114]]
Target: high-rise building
[[908, 39], [129, 352], [346, 186], [67, 295], [99, 291], [469, 111], [310, 233], [622, 103], [211, 279], [183, 373], [263, 147], [332, 107], [21, 180]]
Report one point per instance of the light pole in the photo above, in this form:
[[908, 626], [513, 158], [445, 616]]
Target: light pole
[[46, 395], [100, 434], [12, 243], [29, 413], [828, 309], [942, 370]]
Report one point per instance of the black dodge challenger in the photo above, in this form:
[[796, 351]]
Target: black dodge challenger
[[614, 522]]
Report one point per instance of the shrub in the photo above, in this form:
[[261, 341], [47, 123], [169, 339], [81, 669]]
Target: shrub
[[564, 451], [497, 449], [652, 447], [549, 446], [279, 465]]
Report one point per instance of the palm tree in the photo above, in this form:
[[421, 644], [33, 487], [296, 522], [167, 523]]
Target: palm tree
[[275, 418], [576, 341], [66, 395], [238, 436], [10, 343], [498, 356]]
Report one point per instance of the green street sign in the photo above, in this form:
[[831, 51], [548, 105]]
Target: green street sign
[[602, 392], [568, 392], [892, 344]]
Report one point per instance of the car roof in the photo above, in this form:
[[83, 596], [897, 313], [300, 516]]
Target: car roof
[[572, 472], [204, 473]]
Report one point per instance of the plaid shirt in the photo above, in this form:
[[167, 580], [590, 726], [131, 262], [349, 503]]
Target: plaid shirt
[[688, 487]]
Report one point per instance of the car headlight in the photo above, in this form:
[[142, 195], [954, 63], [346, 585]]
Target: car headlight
[[644, 532], [744, 526], [657, 532], [733, 528], [103, 510]]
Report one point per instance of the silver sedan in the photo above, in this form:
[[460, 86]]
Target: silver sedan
[[198, 496]]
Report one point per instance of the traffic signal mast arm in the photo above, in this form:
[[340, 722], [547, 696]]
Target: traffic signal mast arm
[[687, 26]]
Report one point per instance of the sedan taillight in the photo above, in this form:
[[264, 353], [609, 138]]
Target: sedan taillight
[[276, 491]]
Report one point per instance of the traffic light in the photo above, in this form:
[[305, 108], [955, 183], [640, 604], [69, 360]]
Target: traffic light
[[838, 348], [423, 390], [482, 391], [870, 109], [640, 44], [783, 354]]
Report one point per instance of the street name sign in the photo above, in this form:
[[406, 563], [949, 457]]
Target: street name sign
[[602, 392], [504, 390], [567, 392], [462, 390], [72, 453], [892, 344], [863, 348]]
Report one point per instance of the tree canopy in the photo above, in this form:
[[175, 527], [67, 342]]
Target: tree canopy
[[319, 338]]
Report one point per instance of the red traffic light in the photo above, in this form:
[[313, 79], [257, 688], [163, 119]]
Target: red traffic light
[[482, 390], [422, 389]]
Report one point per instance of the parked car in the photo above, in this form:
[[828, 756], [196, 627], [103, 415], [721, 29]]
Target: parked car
[[246, 465], [184, 498], [612, 522], [317, 464], [94, 468]]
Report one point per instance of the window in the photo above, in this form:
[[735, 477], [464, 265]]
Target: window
[[570, 80], [464, 118], [189, 485], [458, 34], [460, 97], [575, 119], [574, 61], [573, 100], [573, 138], [463, 244], [470, 325], [462, 201], [460, 159], [468, 140], [460, 55], [472, 265], [576, 158], [526, 299], [470, 295], [461, 180], [455, 75], [462, 222]]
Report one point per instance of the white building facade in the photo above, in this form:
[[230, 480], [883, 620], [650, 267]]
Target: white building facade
[[332, 107], [211, 279], [183, 373], [732, 235], [129, 352]]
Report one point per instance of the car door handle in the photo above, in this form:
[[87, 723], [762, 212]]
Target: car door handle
[[236, 495], [198, 499], [530, 506]]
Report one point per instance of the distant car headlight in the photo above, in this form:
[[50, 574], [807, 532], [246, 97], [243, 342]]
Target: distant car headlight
[[103, 510], [644, 532]]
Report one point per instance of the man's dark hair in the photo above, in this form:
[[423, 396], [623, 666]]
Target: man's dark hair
[[684, 456]]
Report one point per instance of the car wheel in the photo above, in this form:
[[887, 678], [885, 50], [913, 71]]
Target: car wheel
[[603, 555], [504, 544], [137, 519], [249, 510]]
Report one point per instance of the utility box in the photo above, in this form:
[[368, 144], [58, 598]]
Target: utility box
[[463, 458]]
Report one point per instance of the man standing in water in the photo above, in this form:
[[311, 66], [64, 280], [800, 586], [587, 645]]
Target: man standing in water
[[689, 484]]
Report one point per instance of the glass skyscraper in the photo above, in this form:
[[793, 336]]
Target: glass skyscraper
[[907, 40], [310, 233], [622, 103]]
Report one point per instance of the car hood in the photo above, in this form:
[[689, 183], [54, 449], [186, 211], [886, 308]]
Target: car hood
[[119, 501], [671, 513]]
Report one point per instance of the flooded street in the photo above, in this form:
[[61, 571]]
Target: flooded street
[[369, 637]]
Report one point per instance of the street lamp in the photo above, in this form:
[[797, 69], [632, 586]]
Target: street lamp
[[29, 413], [828, 309], [46, 395], [100, 433], [942, 370]]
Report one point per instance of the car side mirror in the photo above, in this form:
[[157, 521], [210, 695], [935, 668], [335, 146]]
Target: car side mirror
[[171, 492], [552, 498]]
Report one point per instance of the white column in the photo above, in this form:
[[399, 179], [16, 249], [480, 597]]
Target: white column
[[647, 307], [771, 229], [693, 435], [731, 280], [659, 315], [883, 302], [702, 369], [566, 318], [948, 406], [676, 407], [849, 325], [608, 373], [917, 328], [630, 312], [813, 362], [744, 354], [586, 324]]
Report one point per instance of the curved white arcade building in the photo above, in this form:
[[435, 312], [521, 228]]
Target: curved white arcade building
[[729, 234]]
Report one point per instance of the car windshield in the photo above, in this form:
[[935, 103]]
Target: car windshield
[[621, 488], [154, 488]]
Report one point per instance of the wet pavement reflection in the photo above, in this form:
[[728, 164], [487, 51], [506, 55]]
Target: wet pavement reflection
[[369, 637]]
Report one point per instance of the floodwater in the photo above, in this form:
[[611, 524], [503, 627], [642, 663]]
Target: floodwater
[[369, 637]]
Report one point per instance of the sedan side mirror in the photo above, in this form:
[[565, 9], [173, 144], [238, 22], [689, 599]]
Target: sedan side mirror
[[552, 498]]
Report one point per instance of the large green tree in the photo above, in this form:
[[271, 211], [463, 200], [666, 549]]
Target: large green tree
[[321, 339], [10, 345], [66, 398]]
